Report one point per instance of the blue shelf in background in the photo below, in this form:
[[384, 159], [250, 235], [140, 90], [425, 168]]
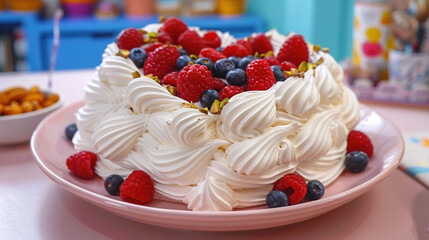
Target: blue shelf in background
[[83, 40]]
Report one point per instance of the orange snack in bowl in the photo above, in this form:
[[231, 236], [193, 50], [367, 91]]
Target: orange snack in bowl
[[4, 99], [47, 103], [39, 97], [54, 97], [27, 106], [1, 109], [16, 94], [12, 109], [34, 89]]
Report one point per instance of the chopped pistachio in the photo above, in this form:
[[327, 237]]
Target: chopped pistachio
[[223, 102], [162, 19], [123, 53], [326, 50], [215, 108], [311, 65], [294, 72], [189, 105], [136, 74], [193, 57], [204, 110], [316, 48], [153, 34], [303, 67], [172, 90], [320, 61]]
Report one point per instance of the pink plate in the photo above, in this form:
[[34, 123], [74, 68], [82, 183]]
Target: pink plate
[[51, 148]]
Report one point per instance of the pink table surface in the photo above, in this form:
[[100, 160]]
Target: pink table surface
[[33, 207]]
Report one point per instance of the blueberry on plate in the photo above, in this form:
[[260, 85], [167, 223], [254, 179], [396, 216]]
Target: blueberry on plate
[[70, 131], [276, 198], [208, 97], [236, 77], [279, 74], [182, 51], [206, 62], [223, 66], [356, 161], [315, 190], [235, 60], [138, 56], [112, 184], [245, 61], [182, 62]]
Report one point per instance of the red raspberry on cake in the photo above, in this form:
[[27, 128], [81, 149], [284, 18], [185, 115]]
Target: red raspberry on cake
[[286, 65], [191, 42], [161, 61], [174, 27], [259, 75], [164, 37], [294, 186], [193, 81], [261, 44], [230, 91], [294, 50], [247, 45], [129, 38], [272, 60], [171, 79], [218, 84], [82, 164], [211, 54], [235, 50], [359, 141], [151, 47], [211, 39], [137, 188]]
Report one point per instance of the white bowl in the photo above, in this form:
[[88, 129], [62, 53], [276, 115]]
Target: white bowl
[[19, 128]]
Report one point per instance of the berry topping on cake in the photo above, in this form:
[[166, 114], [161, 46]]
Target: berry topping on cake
[[235, 50], [223, 66], [272, 60], [191, 42], [171, 79], [293, 185], [211, 54], [138, 56], [359, 141], [236, 76], [218, 84], [315, 190], [164, 37], [70, 131], [261, 44], [152, 47], [206, 62], [356, 161], [259, 75], [211, 39], [230, 91], [208, 97], [235, 60], [129, 39], [287, 66], [245, 61], [294, 50], [193, 81], [112, 184], [247, 45], [278, 72], [82, 164], [276, 198], [137, 188], [161, 61], [174, 27], [183, 61]]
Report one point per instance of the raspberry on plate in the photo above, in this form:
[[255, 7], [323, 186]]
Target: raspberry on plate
[[235, 50], [247, 45], [82, 164], [218, 84], [230, 91], [287, 66], [211, 54], [174, 27], [137, 188], [294, 186], [272, 60], [161, 61], [294, 50], [164, 37], [211, 39], [193, 81], [261, 44], [191, 42], [171, 79], [359, 141], [129, 38], [259, 75]]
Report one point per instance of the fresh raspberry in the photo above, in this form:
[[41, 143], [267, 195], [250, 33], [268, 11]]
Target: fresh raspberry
[[211, 39], [82, 164], [294, 186], [191, 42], [272, 60], [218, 84], [137, 188], [294, 50], [359, 141], [171, 79], [235, 50], [161, 61], [211, 54], [193, 81], [151, 47], [174, 27], [164, 37], [286, 65], [259, 75], [229, 91], [261, 44], [247, 45], [129, 39]]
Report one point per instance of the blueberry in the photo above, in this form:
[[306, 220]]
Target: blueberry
[[112, 184], [235, 60], [245, 61], [315, 190], [219, 49], [182, 51], [138, 56], [356, 161], [223, 66], [278, 73], [208, 97], [276, 198], [70, 131], [206, 62], [182, 62], [236, 76]]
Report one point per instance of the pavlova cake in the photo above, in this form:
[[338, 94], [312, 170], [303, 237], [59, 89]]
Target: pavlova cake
[[213, 121]]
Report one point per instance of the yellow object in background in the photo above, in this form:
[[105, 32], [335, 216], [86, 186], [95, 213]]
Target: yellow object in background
[[231, 7]]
